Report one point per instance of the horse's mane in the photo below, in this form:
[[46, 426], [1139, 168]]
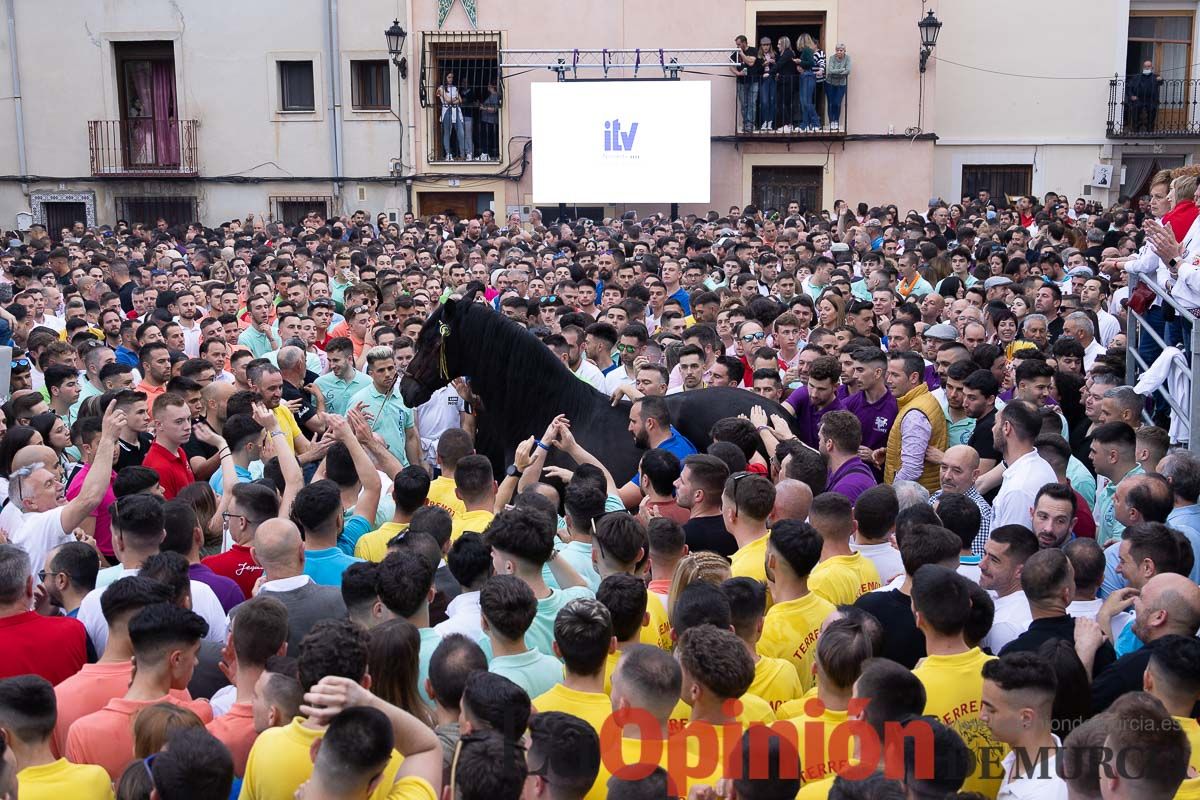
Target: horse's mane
[[517, 375]]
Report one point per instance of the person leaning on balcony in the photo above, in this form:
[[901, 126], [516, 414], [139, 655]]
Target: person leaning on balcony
[[837, 75]]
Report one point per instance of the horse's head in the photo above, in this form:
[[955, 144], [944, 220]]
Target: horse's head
[[434, 365]]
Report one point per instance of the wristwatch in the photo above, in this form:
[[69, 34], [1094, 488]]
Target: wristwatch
[[1173, 263], [512, 471]]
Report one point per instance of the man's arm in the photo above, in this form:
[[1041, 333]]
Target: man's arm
[[289, 465], [412, 446], [368, 500], [915, 433], [387, 463], [523, 461], [567, 443], [414, 739], [91, 492]]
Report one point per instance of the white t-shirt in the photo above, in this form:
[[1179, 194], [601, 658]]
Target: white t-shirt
[[204, 603], [38, 533], [885, 558], [590, 373], [1011, 620], [462, 616]]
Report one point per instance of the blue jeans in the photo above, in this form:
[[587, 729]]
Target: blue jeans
[[834, 95], [808, 110], [460, 135], [766, 100], [748, 101]]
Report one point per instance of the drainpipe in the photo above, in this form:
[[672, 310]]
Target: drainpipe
[[18, 112], [411, 108], [333, 54]]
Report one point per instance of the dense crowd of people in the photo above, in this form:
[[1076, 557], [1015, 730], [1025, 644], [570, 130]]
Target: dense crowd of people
[[947, 551]]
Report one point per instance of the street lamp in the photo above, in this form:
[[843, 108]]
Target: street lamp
[[395, 41], [929, 28]]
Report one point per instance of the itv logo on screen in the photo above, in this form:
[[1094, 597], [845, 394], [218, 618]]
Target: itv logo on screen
[[617, 140]]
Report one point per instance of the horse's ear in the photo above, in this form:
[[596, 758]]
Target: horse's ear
[[473, 288]]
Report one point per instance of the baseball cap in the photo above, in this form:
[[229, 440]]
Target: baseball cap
[[726, 243], [941, 331], [1081, 272], [996, 282], [874, 223]]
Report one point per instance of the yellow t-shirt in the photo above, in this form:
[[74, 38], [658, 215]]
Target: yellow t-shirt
[[287, 424], [280, 761], [373, 546], [754, 710], [1192, 729], [411, 788], [658, 632], [750, 561], [790, 631], [591, 707], [818, 762], [475, 521], [843, 579], [610, 665], [62, 779], [817, 790], [441, 494], [776, 681], [1188, 790], [954, 694]]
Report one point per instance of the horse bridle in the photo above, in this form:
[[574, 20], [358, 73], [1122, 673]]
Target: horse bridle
[[443, 367]]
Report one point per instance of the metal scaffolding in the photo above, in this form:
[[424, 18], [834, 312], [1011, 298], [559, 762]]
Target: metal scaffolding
[[649, 63]]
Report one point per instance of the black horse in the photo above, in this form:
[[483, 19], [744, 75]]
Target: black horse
[[523, 386]]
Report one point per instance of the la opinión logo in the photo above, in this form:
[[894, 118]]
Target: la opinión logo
[[617, 140]]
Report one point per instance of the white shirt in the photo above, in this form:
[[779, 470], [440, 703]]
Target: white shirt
[[39, 533], [191, 338], [436, 416], [969, 571], [1034, 786], [1022, 479], [618, 378], [591, 374], [204, 603], [1088, 609], [1091, 353], [1110, 326], [1011, 620], [462, 617], [885, 558], [286, 584]]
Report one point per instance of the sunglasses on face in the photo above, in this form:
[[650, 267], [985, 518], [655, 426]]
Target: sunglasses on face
[[754, 337], [627, 348]]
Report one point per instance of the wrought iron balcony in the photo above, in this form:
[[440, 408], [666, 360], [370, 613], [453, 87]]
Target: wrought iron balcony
[[143, 147], [1167, 110]]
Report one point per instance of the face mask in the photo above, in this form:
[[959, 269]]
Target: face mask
[[1147, 71]]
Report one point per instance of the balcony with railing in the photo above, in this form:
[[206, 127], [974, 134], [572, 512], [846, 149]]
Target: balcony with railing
[[780, 115], [143, 147], [1169, 109]]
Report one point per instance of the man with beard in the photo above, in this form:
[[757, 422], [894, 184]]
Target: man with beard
[[650, 424], [630, 346], [1015, 430]]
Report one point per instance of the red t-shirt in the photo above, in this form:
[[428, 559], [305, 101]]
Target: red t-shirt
[[174, 471], [53, 647], [237, 564]]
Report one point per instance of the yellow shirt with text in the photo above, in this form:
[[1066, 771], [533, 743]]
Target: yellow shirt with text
[[954, 694], [776, 681], [658, 632], [843, 579], [813, 732], [441, 494], [790, 631]]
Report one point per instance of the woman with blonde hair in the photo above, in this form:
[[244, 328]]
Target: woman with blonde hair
[[705, 566], [806, 58]]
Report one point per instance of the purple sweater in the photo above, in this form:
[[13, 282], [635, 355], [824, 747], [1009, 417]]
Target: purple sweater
[[851, 479]]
